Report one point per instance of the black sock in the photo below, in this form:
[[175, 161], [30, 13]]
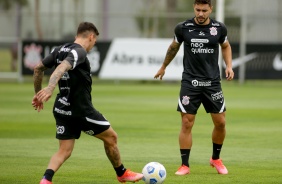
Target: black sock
[[120, 170], [216, 151], [48, 175], [185, 153]]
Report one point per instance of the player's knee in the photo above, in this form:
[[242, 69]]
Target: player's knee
[[111, 138], [65, 153], [220, 124], [187, 123], [219, 120], [114, 137]]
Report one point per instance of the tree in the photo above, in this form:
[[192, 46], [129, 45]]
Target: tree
[[7, 4]]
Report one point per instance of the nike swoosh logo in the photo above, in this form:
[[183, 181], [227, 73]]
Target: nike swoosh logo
[[238, 61], [277, 62], [190, 30]]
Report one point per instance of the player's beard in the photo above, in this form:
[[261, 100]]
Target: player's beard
[[201, 20]]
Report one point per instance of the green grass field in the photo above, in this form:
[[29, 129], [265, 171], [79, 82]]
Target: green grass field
[[145, 118], [5, 64]]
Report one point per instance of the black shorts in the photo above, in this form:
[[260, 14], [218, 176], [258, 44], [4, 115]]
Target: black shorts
[[69, 127], [209, 94]]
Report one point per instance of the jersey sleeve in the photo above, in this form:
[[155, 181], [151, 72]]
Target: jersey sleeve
[[76, 56], [50, 60], [223, 36], [178, 36]]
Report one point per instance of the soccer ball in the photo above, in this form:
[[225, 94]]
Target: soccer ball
[[154, 173]]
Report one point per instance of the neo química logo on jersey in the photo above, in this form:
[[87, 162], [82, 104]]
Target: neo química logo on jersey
[[197, 46]]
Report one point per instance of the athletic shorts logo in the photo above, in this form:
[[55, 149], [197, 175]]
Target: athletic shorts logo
[[60, 129], [65, 76], [185, 100], [217, 97], [89, 132]]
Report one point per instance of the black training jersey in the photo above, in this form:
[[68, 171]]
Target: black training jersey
[[201, 44], [74, 98]]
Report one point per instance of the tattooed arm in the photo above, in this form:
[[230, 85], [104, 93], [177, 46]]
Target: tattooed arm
[[37, 83], [38, 77], [43, 95], [170, 54]]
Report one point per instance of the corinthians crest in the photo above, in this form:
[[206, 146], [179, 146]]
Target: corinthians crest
[[185, 100], [32, 55], [213, 31]]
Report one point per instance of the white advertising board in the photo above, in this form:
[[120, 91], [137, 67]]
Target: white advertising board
[[133, 58]]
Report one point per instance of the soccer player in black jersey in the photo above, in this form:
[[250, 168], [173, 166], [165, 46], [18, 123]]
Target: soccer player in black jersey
[[200, 83], [73, 109]]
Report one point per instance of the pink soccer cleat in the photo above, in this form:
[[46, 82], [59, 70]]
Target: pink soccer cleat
[[221, 169], [183, 170], [130, 177], [44, 181]]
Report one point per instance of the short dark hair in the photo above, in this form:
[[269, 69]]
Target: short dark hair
[[203, 2], [87, 26]]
